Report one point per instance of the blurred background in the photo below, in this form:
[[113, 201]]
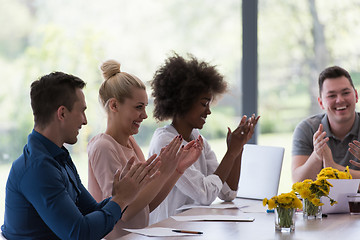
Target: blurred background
[[296, 41]]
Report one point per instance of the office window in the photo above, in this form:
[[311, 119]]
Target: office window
[[297, 40]]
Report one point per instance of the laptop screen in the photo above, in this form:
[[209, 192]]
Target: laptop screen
[[260, 171]]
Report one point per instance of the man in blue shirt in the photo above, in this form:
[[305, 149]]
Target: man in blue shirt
[[45, 198]]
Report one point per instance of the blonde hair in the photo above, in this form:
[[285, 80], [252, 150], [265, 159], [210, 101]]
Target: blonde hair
[[117, 84]]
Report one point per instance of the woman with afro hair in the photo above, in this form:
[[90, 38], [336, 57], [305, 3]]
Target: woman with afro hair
[[183, 91]]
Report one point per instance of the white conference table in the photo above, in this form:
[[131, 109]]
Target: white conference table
[[334, 226]]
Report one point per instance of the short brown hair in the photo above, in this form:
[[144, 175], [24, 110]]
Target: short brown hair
[[50, 92], [333, 72]]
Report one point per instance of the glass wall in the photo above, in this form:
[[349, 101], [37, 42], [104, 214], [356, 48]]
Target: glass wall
[[297, 40]]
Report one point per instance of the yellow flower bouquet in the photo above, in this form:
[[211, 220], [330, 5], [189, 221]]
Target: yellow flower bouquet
[[311, 191], [284, 200], [332, 173], [284, 205]]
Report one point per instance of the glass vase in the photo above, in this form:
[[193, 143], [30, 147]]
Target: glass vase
[[311, 211], [284, 219]]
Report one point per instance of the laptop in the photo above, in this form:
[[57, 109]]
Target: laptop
[[339, 191], [260, 171]]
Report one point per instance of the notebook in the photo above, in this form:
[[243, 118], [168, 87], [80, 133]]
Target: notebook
[[260, 171], [340, 189]]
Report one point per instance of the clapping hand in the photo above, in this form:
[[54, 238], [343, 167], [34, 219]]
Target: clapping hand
[[188, 154], [133, 178], [252, 121], [320, 143], [242, 134], [354, 149], [168, 156], [321, 149]]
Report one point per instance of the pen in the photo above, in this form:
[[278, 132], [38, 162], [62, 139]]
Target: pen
[[186, 231]]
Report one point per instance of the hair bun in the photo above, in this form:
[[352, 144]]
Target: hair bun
[[110, 68]]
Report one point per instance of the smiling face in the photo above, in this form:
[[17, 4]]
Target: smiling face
[[338, 99], [132, 112], [196, 116], [75, 118]]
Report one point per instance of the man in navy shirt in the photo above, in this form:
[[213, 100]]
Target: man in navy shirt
[[45, 198]]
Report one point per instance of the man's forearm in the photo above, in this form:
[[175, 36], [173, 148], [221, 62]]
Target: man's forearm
[[308, 169]]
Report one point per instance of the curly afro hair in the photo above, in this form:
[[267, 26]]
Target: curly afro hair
[[178, 83]]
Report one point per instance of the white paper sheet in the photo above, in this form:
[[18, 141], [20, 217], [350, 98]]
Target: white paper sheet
[[160, 232], [254, 208], [215, 206], [231, 218]]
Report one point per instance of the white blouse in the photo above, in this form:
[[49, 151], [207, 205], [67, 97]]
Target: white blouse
[[198, 184]]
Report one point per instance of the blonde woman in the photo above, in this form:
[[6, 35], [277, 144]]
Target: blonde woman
[[124, 98]]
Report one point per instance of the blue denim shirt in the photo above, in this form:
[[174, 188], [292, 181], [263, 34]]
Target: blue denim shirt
[[45, 198]]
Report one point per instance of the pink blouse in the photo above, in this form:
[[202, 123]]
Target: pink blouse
[[105, 157]]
